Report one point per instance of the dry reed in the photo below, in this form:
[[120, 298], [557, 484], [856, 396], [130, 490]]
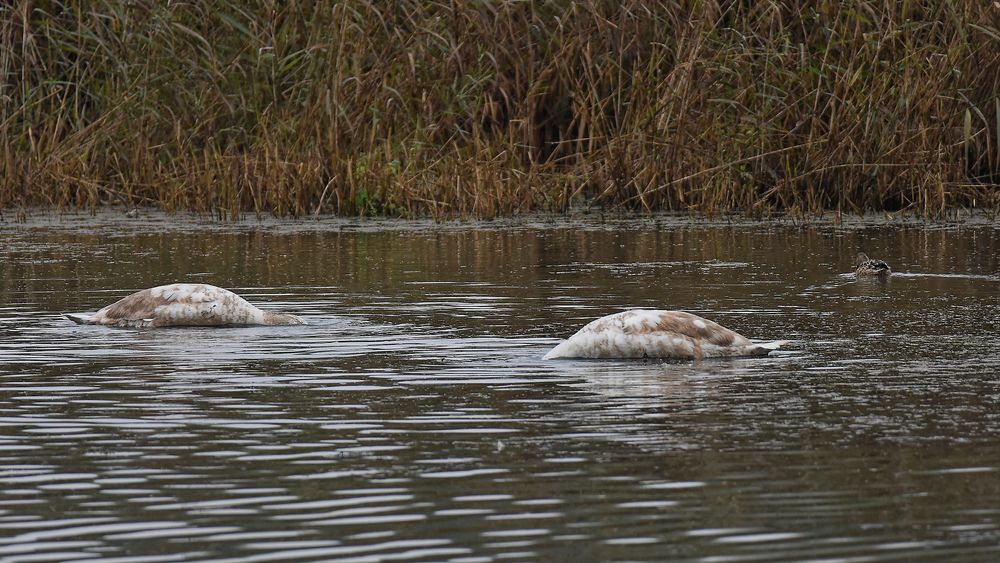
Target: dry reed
[[466, 108]]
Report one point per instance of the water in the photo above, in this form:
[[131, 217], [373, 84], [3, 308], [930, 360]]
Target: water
[[413, 419]]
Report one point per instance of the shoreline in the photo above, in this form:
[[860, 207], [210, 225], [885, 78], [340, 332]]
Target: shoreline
[[120, 217]]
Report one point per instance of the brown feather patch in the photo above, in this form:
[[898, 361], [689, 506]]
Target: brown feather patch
[[697, 328], [140, 305]]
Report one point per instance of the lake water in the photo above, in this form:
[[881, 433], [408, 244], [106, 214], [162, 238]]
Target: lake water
[[413, 417]]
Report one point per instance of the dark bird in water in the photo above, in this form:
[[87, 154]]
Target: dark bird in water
[[866, 267]]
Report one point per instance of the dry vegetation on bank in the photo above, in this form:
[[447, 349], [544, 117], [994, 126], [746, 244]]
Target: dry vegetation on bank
[[490, 108]]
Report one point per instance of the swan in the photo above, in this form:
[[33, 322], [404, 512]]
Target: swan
[[183, 304], [643, 333], [866, 266]]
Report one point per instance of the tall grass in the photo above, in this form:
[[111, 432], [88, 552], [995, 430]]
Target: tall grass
[[481, 108]]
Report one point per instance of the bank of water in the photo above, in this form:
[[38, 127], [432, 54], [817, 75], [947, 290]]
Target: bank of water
[[413, 417]]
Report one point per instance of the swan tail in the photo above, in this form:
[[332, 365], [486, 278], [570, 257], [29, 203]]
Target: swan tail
[[552, 354], [78, 318], [560, 351]]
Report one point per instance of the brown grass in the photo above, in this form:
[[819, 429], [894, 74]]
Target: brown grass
[[493, 108]]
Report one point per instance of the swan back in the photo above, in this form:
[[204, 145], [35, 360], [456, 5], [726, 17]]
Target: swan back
[[183, 304], [656, 334]]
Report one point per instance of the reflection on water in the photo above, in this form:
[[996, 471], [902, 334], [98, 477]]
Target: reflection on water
[[413, 419]]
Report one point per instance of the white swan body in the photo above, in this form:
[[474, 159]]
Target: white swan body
[[183, 304], [644, 333]]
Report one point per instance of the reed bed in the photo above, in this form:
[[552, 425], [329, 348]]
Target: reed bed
[[481, 109]]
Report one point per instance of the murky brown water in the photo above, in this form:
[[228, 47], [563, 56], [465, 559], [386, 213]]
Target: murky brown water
[[413, 419]]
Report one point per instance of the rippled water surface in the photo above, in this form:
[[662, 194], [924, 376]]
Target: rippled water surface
[[413, 417]]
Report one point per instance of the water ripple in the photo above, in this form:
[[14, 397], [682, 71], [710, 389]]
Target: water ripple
[[414, 419]]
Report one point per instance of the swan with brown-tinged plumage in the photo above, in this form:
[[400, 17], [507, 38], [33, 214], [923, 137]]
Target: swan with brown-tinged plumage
[[645, 333], [183, 304]]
